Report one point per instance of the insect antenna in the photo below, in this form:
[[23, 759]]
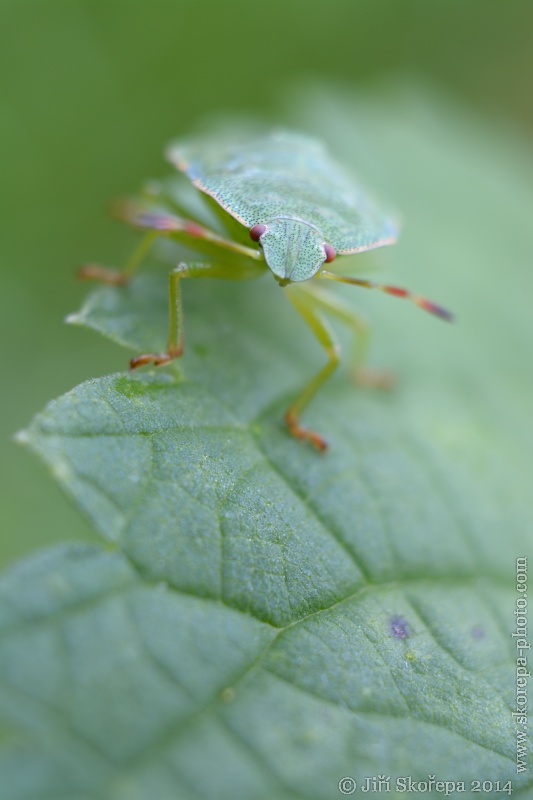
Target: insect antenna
[[396, 291]]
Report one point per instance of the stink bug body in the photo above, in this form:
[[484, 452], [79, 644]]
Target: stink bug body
[[285, 206]]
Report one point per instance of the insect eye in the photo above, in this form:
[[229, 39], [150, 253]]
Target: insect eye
[[257, 231], [330, 253]]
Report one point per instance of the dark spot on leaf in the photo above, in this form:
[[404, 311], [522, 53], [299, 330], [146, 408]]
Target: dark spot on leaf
[[399, 627], [478, 632]]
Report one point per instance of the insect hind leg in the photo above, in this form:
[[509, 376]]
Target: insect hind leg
[[117, 277]]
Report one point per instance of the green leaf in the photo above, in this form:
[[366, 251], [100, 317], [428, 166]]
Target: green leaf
[[273, 620]]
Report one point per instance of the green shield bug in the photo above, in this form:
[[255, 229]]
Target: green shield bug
[[285, 206]]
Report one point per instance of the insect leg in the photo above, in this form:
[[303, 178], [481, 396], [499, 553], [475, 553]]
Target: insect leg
[[193, 234], [176, 340], [159, 222], [330, 303], [115, 277], [315, 321]]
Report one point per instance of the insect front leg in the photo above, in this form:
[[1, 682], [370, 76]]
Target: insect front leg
[[176, 340], [315, 321]]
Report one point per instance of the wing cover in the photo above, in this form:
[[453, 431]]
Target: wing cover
[[283, 174]]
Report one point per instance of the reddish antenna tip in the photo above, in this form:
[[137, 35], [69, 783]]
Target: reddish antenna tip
[[257, 231], [433, 308], [330, 252]]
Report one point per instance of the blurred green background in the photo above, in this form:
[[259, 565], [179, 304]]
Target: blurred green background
[[91, 91]]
